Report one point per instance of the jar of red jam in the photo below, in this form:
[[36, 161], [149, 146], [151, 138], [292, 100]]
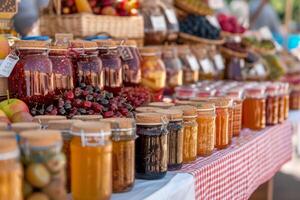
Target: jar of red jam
[[131, 63], [32, 75], [86, 64], [61, 67], [112, 65]]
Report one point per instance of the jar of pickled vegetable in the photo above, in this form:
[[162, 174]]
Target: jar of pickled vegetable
[[206, 119], [43, 164], [190, 132], [32, 75], [64, 126], [190, 65], [87, 66], [254, 108], [286, 94], [173, 68], [153, 71], [112, 65], [11, 172], [151, 155], [175, 137], [44, 119], [91, 155], [62, 68], [123, 139], [131, 63], [88, 117], [272, 104]]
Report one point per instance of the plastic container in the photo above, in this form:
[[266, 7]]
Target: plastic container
[[11, 172], [62, 68], [32, 75], [91, 154], [272, 104], [254, 108], [123, 139], [153, 71], [175, 137], [151, 156], [43, 164], [190, 133], [87, 66]]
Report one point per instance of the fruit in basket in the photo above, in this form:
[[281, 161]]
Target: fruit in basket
[[37, 175], [21, 117], [4, 47], [83, 6], [109, 10], [3, 117], [12, 106], [230, 24]]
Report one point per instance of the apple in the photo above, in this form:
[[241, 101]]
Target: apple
[[12, 106], [21, 117], [4, 47]]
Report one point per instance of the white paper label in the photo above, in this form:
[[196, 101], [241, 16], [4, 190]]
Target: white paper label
[[193, 62], [219, 62], [213, 21], [158, 23], [8, 65], [265, 33], [206, 65], [170, 14], [260, 69]]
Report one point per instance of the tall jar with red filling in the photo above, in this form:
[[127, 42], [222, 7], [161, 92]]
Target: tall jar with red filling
[[87, 66], [131, 63], [62, 68], [32, 75], [112, 65]]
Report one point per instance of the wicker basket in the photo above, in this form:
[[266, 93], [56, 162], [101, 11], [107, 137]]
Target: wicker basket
[[85, 24], [194, 39]]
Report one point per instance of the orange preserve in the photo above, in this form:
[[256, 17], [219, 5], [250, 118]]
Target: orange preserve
[[190, 132], [10, 170], [286, 94], [281, 101], [206, 119], [254, 108], [123, 156], [272, 104], [65, 127], [236, 95], [91, 161]]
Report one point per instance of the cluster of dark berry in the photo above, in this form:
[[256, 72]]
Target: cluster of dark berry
[[136, 96]]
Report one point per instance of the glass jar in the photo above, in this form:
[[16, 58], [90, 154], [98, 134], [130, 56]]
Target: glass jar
[[44, 119], [87, 66], [163, 105], [24, 126], [151, 155], [254, 108], [43, 164], [230, 121], [281, 101], [131, 63], [190, 132], [8, 134], [112, 65], [190, 65], [91, 142], [286, 100], [32, 75], [295, 98], [62, 68], [184, 92], [123, 140], [272, 104], [11, 172], [173, 68], [175, 137], [153, 71], [206, 119], [64, 126], [88, 117], [146, 109]]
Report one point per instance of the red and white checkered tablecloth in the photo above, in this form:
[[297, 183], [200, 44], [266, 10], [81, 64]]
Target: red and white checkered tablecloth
[[236, 172]]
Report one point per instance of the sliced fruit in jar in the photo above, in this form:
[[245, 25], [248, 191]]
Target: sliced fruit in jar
[[37, 175], [56, 163]]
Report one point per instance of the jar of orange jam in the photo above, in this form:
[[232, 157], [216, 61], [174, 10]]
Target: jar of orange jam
[[254, 108], [190, 133], [286, 94], [281, 103], [10, 170], [272, 104], [91, 161], [206, 119]]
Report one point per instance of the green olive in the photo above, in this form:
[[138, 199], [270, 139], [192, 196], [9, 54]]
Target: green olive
[[37, 175], [56, 163], [38, 196]]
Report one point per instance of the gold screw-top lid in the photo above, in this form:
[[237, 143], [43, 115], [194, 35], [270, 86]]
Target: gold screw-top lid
[[41, 138], [24, 126], [44, 119], [161, 104], [172, 114], [88, 117], [91, 127], [3, 126], [188, 111], [31, 44], [82, 44], [120, 123], [8, 145], [7, 134], [150, 118], [146, 109], [61, 124]]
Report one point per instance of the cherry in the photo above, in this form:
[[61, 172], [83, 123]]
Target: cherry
[[87, 104]]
